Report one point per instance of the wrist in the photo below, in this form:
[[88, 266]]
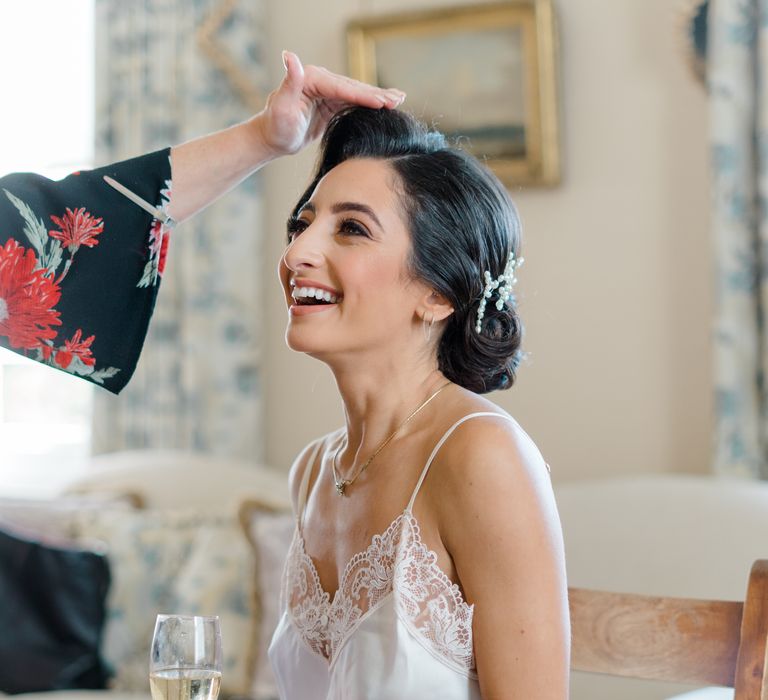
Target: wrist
[[258, 148]]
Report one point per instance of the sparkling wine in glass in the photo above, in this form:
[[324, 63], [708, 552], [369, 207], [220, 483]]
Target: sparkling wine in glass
[[185, 660]]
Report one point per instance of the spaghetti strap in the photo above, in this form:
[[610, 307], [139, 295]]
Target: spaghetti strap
[[304, 485], [440, 442]]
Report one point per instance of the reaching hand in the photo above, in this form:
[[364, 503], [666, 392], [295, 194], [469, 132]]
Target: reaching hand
[[298, 111]]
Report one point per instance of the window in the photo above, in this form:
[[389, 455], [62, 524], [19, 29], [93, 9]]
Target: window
[[46, 50]]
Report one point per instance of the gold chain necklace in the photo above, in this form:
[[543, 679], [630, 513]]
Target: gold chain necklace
[[342, 484]]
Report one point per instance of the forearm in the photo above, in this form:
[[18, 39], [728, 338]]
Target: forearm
[[207, 167]]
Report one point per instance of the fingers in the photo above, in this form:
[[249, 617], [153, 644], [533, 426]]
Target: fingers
[[320, 83], [293, 82], [301, 106]]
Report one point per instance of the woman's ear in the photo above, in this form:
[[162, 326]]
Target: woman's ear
[[434, 306]]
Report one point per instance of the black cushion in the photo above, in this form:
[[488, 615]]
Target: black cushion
[[52, 613]]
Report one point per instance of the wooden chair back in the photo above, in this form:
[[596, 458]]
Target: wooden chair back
[[707, 642]]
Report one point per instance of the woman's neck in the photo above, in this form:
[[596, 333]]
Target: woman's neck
[[378, 398]]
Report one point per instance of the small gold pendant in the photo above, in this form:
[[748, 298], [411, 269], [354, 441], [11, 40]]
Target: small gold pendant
[[341, 486]]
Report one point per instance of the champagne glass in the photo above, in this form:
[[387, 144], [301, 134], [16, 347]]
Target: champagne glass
[[185, 659]]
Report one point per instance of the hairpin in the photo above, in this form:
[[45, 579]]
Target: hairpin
[[504, 283]]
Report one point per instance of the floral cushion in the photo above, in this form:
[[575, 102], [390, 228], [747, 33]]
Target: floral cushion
[[173, 562], [54, 518]]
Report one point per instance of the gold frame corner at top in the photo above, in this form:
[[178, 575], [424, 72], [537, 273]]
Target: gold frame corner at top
[[541, 166]]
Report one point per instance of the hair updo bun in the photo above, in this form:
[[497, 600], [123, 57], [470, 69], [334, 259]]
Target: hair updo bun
[[462, 223]]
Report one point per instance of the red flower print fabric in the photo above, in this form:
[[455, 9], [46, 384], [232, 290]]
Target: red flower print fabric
[[27, 299], [76, 349], [78, 293], [76, 228], [159, 236]]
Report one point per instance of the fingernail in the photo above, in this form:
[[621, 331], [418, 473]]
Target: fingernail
[[285, 59]]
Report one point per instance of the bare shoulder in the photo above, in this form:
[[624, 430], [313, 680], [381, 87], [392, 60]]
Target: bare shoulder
[[302, 462], [489, 474], [490, 444], [491, 494]]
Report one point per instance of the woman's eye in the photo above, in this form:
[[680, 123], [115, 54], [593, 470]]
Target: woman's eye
[[350, 227], [295, 227]]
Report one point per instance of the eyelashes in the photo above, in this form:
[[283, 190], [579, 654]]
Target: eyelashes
[[294, 227], [347, 227], [350, 227]]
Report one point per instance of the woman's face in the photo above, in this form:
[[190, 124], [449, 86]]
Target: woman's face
[[344, 272]]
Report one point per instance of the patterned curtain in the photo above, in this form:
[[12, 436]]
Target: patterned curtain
[[197, 383], [737, 60]]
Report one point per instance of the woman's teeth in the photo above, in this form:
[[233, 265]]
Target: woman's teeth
[[321, 295]]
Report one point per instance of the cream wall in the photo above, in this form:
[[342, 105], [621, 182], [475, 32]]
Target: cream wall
[[616, 289]]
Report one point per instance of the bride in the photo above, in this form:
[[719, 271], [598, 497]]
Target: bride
[[428, 557]]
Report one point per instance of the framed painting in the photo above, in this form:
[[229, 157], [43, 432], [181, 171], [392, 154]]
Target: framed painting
[[485, 75]]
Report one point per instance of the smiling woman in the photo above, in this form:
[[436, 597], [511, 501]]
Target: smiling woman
[[399, 275], [363, 251]]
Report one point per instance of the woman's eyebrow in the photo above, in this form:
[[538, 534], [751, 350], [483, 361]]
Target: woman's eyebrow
[[307, 206]]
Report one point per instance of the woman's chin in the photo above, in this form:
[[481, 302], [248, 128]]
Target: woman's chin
[[299, 340]]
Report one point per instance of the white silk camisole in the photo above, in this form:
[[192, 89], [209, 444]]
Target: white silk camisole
[[396, 629]]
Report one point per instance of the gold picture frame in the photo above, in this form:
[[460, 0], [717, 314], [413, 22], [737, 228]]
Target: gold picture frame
[[485, 74]]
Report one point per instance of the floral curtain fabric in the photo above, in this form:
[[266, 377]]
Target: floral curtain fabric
[[737, 61], [197, 382]]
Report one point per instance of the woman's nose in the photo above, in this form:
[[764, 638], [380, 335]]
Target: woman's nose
[[305, 251]]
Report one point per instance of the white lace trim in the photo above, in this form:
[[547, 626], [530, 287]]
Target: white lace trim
[[397, 561]]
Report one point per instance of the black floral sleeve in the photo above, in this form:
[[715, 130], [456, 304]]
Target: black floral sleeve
[[80, 267]]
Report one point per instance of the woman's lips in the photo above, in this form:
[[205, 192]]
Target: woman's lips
[[304, 290], [307, 309]]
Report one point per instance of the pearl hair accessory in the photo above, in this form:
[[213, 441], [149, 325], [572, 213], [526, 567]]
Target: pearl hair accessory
[[504, 283]]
